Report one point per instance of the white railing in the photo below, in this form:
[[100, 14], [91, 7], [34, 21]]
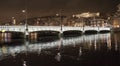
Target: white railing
[[51, 28]]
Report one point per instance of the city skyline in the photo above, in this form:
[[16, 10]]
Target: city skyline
[[37, 8]]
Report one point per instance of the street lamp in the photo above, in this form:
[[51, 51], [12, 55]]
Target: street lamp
[[26, 25], [60, 20], [57, 14], [25, 13]]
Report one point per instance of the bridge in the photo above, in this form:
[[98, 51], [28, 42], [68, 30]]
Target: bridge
[[28, 29]]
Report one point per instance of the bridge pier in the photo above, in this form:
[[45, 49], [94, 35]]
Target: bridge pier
[[26, 34], [61, 34], [83, 32]]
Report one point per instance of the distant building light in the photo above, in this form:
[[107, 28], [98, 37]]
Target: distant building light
[[23, 11], [13, 17], [87, 14], [73, 15], [98, 14], [13, 20], [57, 14], [117, 26]]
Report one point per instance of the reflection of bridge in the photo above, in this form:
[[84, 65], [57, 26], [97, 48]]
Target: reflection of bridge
[[51, 28], [37, 47]]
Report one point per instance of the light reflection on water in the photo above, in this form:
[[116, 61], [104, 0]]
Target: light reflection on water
[[75, 48], [5, 37]]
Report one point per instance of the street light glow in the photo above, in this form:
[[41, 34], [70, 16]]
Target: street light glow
[[57, 14], [23, 11]]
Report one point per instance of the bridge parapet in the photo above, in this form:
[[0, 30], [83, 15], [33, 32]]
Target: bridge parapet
[[105, 28], [22, 28], [67, 28], [43, 28]]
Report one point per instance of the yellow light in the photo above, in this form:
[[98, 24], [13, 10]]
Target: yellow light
[[3, 30], [117, 26], [98, 14]]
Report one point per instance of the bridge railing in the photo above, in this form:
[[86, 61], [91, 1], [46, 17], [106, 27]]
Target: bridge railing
[[22, 28], [43, 28]]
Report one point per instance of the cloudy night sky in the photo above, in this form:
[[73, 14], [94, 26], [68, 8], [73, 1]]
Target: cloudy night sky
[[9, 8]]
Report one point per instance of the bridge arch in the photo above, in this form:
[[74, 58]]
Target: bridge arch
[[46, 33], [72, 32], [90, 31]]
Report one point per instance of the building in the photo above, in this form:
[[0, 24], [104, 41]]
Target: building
[[116, 18], [90, 19]]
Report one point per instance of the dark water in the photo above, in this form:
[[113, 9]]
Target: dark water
[[85, 50]]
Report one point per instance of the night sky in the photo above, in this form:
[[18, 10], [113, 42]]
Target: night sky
[[10, 8]]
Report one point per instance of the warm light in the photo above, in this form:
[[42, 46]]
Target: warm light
[[23, 11], [117, 26], [98, 14], [3, 30], [57, 14], [87, 14], [13, 17], [73, 15], [13, 20]]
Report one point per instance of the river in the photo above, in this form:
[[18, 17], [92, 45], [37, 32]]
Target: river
[[85, 50]]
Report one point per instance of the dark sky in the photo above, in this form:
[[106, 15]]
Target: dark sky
[[9, 8]]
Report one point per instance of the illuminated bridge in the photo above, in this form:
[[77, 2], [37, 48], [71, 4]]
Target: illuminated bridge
[[29, 29]]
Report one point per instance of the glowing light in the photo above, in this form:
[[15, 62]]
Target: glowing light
[[57, 14], [3, 30], [24, 63], [87, 14], [23, 11], [117, 26], [98, 14]]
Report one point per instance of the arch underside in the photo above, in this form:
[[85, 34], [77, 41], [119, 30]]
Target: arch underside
[[46, 33], [72, 32], [90, 31]]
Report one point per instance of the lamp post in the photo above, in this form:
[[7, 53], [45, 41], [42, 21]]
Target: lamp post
[[60, 15], [61, 19], [25, 13], [26, 25]]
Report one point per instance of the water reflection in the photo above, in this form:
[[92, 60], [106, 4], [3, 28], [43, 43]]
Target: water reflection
[[89, 42], [58, 57], [5, 37], [24, 63], [75, 48], [116, 42]]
